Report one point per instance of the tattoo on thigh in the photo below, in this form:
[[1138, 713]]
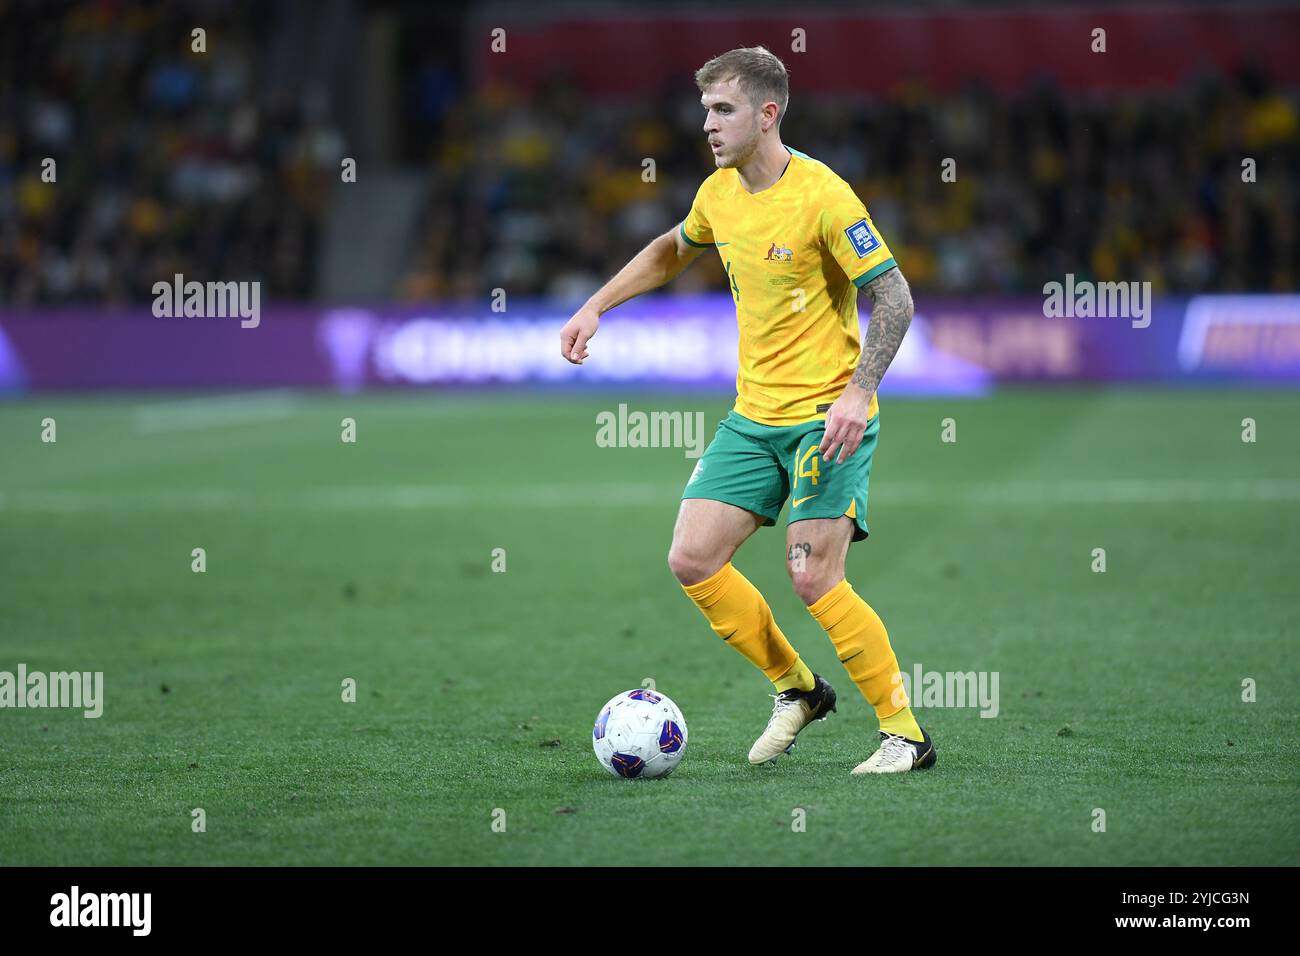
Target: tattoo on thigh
[[798, 555]]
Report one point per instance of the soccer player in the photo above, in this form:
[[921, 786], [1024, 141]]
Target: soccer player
[[797, 247]]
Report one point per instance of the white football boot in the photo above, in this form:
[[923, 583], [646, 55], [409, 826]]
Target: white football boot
[[793, 711], [897, 754]]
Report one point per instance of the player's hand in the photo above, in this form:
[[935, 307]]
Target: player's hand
[[576, 332], [846, 423]]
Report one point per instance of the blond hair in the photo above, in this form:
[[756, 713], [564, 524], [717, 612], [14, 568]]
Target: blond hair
[[759, 73]]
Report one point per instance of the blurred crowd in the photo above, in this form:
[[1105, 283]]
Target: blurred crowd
[[546, 195], [169, 162], [166, 160]]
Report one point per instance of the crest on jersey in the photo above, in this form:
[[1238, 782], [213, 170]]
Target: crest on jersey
[[778, 253], [863, 238]]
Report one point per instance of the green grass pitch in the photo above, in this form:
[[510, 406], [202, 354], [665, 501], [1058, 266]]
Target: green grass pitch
[[476, 690]]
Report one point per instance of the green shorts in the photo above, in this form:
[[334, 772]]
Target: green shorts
[[757, 467]]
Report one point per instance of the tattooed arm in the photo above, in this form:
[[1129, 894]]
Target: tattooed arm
[[891, 314]]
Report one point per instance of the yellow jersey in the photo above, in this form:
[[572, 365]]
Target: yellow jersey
[[795, 255]]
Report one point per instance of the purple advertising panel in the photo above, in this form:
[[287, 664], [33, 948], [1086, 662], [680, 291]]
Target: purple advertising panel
[[953, 346]]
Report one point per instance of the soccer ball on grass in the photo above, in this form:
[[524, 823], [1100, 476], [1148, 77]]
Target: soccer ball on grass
[[640, 733]]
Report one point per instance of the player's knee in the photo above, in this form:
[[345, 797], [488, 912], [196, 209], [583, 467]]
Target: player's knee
[[811, 584], [691, 567]]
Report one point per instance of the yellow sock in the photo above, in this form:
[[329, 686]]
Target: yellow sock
[[738, 614], [799, 677], [902, 723], [862, 644]]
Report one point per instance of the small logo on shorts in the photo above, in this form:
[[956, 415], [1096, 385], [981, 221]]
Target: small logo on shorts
[[799, 501], [699, 470]]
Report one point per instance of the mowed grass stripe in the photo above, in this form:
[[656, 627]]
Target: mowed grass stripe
[[1120, 491]]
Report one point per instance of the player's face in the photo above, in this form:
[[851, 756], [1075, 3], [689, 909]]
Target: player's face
[[731, 123]]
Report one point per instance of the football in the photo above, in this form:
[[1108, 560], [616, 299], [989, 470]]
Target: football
[[639, 734]]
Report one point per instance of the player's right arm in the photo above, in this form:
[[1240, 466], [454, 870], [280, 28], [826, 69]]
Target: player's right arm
[[658, 263]]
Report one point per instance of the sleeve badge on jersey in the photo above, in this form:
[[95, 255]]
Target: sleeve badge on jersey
[[863, 238]]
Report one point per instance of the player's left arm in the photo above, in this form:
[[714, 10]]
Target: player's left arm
[[891, 314], [850, 236]]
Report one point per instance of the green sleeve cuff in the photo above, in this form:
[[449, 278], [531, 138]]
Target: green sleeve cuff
[[698, 245], [866, 277]]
